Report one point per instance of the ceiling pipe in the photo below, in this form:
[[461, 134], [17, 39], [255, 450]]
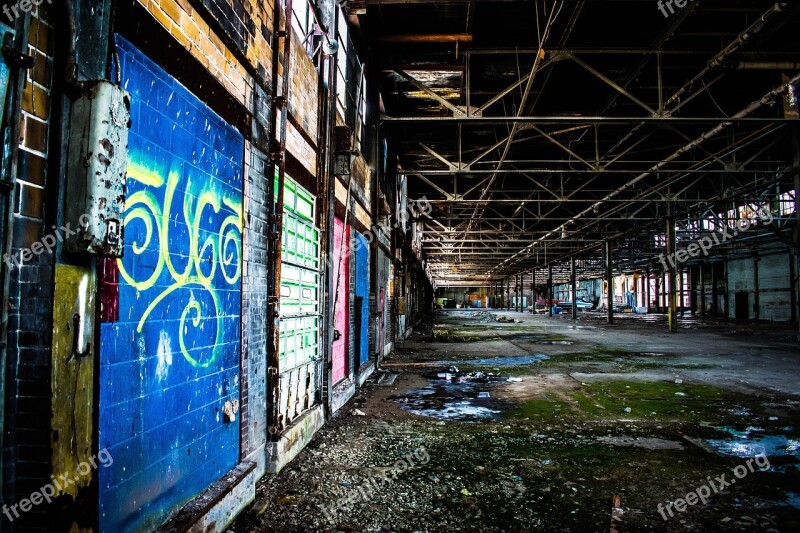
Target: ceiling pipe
[[768, 65], [719, 59]]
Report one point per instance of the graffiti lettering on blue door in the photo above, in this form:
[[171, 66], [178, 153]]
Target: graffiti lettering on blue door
[[171, 360]]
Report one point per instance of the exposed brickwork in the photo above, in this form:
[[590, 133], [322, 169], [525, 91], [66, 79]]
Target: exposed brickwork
[[193, 32], [27, 431], [255, 275]]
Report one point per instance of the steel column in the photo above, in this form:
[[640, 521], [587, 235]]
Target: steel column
[[610, 281], [672, 318], [550, 290], [574, 281]]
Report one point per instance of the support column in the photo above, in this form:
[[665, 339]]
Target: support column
[[672, 298], [550, 289], [647, 290], [610, 281], [693, 289], [682, 297], [796, 173], [702, 289], [574, 280], [533, 291], [756, 288], [792, 293], [714, 294], [508, 292]]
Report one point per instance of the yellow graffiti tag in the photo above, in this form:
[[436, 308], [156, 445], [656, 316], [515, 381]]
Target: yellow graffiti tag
[[221, 247]]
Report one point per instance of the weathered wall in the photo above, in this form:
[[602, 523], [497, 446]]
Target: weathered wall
[[255, 291], [247, 25], [27, 436], [774, 296], [172, 360], [73, 377], [341, 269]]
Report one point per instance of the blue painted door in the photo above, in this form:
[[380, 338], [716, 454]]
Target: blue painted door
[[170, 362], [362, 297]]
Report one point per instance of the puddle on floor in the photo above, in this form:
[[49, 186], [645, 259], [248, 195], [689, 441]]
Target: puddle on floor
[[753, 441], [453, 400], [501, 362]]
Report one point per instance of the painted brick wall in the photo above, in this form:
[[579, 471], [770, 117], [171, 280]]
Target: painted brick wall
[[28, 405], [173, 359], [254, 303]]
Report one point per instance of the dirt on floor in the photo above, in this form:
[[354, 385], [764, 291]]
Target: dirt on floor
[[551, 424]]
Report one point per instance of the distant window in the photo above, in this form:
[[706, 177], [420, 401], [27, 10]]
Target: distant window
[[361, 112], [787, 203], [341, 65]]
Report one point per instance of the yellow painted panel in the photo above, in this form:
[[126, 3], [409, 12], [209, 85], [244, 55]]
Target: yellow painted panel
[[73, 379]]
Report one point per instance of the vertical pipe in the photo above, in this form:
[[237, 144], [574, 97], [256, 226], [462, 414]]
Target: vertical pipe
[[277, 162], [610, 281], [672, 312], [574, 280], [550, 289], [330, 181]]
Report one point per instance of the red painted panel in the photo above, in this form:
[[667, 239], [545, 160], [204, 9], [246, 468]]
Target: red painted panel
[[341, 283]]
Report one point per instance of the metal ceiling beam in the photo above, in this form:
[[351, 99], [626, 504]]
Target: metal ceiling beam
[[406, 38], [430, 92], [582, 120]]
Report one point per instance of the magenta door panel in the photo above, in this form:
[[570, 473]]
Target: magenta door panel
[[341, 284]]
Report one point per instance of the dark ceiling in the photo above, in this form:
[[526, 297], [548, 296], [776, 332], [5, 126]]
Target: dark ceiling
[[615, 115]]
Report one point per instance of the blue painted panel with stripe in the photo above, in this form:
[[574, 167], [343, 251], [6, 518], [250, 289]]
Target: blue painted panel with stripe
[[362, 290], [172, 360]]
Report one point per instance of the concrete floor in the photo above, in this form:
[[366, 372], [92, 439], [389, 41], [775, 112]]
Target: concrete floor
[[600, 425]]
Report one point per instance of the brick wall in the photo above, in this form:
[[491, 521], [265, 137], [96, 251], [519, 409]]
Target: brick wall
[[190, 27], [27, 431], [254, 303]]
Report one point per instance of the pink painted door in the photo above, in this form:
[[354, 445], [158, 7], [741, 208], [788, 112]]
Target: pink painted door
[[341, 284]]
